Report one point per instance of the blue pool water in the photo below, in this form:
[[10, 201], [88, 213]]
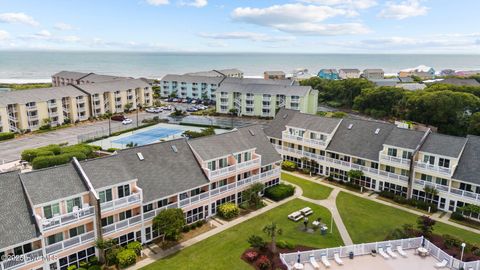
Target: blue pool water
[[148, 136]]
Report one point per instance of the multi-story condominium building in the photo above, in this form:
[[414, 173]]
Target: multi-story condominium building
[[231, 72], [63, 78], [373, 74], [392, 159], [113, 96], [423, 72], [189, 86], [28, 109], [349, 73], [59, 212], [250, 99]]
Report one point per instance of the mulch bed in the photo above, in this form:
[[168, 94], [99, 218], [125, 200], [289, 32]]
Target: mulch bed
[[274, 258], [453, 251]]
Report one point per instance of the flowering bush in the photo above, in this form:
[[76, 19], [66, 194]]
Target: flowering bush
[[264, 263], [228, 210], [251, 256]]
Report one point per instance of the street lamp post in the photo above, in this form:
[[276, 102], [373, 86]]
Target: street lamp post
[[463, 249]]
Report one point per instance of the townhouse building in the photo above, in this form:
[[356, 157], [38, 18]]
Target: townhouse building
[[59, 212], [393, 159], [264, 99], [348, 73], [422, 71], [373, 74], [28, 109], [64, 78]]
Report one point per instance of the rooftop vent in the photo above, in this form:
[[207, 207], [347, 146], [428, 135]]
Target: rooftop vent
[[174, 148], [140, 156], [285, 116], [377, 131], [251, 132], [350, 126]]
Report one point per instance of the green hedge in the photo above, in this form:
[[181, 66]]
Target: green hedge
[[279, 192], [83, 148], [126, 258], [50, 161], [6, 136], [135, 246], [412, 202], [289, 166], [228, 210]]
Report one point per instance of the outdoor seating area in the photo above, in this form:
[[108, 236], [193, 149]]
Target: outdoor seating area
[[413, 253], [297, 215]]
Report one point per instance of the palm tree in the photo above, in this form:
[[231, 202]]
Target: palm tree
[[272, 230], [103, 245]]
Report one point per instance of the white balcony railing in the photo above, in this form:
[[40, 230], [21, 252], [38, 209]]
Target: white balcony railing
[[121, 202], [397, 160], [70, 242], [310, 142], [434, 168], [151, 214], [220, 190], [423, 183], [65, 219], [465, 194], [232, 168], [18, 261], [118, 226]]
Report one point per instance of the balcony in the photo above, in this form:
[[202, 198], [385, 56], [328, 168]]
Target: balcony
[[433, 168], [232, 168], [309, 142], [51, 105], [33, 117], [31, 108], [133, 198], [70, 242], [118, 226], [465, 194], [423, 183], [17, 261], [65, 219], [151, 214], [396, 160], [220, 190]]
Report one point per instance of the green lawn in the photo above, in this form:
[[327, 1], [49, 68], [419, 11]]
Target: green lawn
[[369, 221], [223, 250], [310, 189]]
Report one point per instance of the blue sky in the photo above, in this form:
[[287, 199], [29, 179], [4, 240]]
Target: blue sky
[[312, 26]]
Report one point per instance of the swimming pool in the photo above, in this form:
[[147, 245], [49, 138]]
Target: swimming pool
[[148, 136]]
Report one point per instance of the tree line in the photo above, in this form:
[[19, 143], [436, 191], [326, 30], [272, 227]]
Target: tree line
[[454, 110]]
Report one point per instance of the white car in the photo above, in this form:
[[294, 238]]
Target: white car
[[153, 110], [127, 121]]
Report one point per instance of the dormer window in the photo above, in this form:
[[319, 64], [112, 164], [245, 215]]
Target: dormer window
[[407, 155], [392, 152], [429, 159], [50, 211], [123, 191], [72, 204], [443, 162], [105, 196]]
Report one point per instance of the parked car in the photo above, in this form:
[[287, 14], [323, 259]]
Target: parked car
[[175, 100], [127, 121], [192, 109], [167, 108], [154, 110], [118, 117]]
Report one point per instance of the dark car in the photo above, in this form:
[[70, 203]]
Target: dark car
[[118, 117]]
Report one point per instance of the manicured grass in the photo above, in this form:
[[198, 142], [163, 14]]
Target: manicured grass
[[369, 221], [223, 250], [310, 189]]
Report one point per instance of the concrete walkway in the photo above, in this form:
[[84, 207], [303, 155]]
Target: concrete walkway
[[436, 217], [160, 253]]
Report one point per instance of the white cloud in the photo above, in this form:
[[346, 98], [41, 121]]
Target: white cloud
[[158, 2], [356, 4], [4, 35], [247, 36], [217, 44], [195, 3], [43, 34], [300, 19], [20, 18], [403, 10], [63, 26]]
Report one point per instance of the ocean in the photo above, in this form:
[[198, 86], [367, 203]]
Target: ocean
[[38, 66]]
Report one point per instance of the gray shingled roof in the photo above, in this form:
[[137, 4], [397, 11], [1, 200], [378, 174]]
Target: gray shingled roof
[[163, 172], [459, 82], [70, 74], [216, 72], [275, 72], [373, 70], [17, 224], [108, 86], [285, 82], [469, 164], [404, 138], [236, 141], [445, 145], [38, 95], [265, 89], [191, 79], [51, 184], [349, 70], [360, 140], [98, 78], [275, 127]]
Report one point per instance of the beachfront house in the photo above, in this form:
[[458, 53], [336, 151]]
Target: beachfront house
[[274, 75], [373, 74], [328, 74], [422, 71], [349, 73]]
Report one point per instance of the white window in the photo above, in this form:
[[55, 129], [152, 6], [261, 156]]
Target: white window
[[123, 191], [105, 196], [429, 159], [72, 203], [51, 210]]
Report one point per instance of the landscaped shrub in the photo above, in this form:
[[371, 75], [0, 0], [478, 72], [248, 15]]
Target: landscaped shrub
[[289, 166], [251, 256], [285, 244], [81, 268], [95, 267], [451, 241], [228, 210], [126, 258], [412, 202], [135, 246], [50, 161], [111, 255], [6, 136], [279, 192], [264, 263], [111, 150], [72, 267], [84, 264], [256, 241], [79, 148], [93, 260], [55, 148], [386, 194]]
